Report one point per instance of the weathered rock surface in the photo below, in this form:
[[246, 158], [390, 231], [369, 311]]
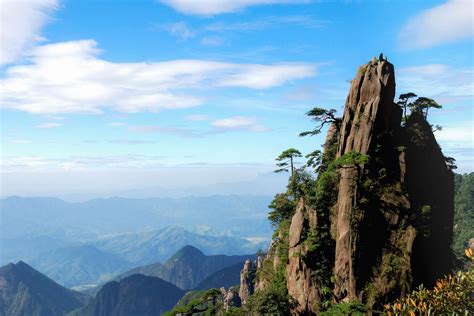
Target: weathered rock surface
[[301, 283], [247, 281]]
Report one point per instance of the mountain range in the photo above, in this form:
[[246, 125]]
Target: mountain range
[[189, 266], [232, 215]]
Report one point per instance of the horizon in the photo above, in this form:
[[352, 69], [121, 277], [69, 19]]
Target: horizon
[[165, 97]]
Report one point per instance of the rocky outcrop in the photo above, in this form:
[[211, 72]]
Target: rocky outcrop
[[231, 298], [247, 281], [300, 280]]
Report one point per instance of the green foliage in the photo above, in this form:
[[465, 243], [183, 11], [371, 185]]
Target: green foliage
[[208, 302], [282, 207], [452, 295], [274, 300], [314, 159], [343, 309], [463, 212], [350, 159], [321, 117]]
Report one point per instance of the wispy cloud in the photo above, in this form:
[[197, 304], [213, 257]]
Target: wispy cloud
[[179, 30], [238, 123], [266, 22], [21, 141], [211, 7], [198, 117], [176, 131], [69, 77], [212, 41], [131, 141], [21, 24], [49, 125], [12, 163], [115, 124], [449, 22]]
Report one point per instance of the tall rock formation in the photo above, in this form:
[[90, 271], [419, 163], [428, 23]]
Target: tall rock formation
[[379, 221]]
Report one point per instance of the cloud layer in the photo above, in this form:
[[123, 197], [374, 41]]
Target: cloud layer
[[20, 25], [69, 77], [214, 7], [445, 23]]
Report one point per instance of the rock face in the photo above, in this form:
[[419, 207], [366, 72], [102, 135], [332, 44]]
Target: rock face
[[247, 281], [301, 284], [231, 298], [367, 114], [395, 213]]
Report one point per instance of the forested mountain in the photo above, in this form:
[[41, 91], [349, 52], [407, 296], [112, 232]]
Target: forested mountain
[[226, 278], [136, 295], [188, 267], [463, 213], [26, 292]]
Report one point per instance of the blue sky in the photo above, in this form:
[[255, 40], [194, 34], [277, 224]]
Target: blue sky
[[111, 97]]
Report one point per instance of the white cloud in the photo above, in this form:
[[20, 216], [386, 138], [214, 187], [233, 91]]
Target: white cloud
[[49, 125], [442, 82], [463, 134], [212, 41], [266, 22], [449, 22], [20, 25], [180, 30], [21, 141], [238, 123], [197, 117], [115, 124], [69, 77], [213, 7]]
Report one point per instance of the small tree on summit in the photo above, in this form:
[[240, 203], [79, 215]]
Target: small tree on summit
[[422, 105], [403, 101], [287, 160], [322, 117]]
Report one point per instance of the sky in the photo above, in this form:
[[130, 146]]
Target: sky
[[179, 97]]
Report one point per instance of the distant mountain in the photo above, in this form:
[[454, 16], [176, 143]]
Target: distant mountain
[[226, 278], [189, 266], [80, 265], [135, 295], [25, 291], [243, 215], [158, 246], [29, 247]]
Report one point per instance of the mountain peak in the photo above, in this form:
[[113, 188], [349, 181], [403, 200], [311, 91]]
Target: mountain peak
[[187, 252]]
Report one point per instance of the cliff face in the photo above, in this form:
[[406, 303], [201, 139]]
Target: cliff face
[[386, 194]]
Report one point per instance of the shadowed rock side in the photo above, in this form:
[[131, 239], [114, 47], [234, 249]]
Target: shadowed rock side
[[390, 216]]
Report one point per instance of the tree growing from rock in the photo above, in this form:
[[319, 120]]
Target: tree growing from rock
[[321, 117], [286, 163]]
